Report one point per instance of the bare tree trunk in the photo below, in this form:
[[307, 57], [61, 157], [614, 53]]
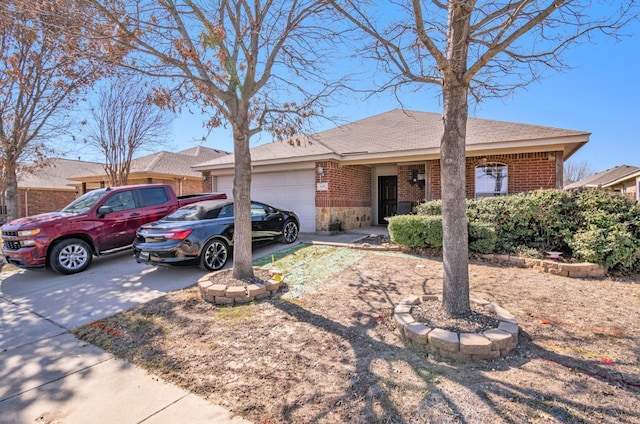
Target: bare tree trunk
[[455, 243], [242, 261], [11, 191]]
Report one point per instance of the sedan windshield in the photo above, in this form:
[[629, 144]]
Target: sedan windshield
[[85, 202]]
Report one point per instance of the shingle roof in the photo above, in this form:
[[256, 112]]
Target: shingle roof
[[400, 131], [180, 163], [56, 173], [605, 177]]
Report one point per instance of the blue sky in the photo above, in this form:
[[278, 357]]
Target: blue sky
[[600, 94]]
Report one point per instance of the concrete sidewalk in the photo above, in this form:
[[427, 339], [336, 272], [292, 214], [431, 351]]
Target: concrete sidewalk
[[49, 376]]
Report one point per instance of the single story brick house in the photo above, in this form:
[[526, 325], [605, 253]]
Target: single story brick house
[[355, 175], [621, 179]]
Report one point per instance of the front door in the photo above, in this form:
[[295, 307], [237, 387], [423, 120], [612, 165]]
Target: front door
[[387, 197]]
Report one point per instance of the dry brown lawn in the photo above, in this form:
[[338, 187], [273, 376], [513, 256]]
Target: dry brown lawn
[[326, 351]]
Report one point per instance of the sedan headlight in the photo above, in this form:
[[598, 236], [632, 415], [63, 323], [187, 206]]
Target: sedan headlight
[[27, 233]]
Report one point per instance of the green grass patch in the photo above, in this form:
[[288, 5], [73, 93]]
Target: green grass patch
[[307, 266], [278, 255]]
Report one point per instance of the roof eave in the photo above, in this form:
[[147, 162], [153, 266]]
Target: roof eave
[[631, 176], [273, 161]]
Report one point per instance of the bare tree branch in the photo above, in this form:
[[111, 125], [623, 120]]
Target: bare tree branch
[[475, 49], [43, 70], [254, 65], [125, 121]]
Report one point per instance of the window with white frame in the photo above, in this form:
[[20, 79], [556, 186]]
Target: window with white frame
[[491, 180]]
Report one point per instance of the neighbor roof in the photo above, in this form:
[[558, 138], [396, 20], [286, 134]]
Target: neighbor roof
[[166, 163], [55, 174], [605, 178], [402, 133], [179, 163]]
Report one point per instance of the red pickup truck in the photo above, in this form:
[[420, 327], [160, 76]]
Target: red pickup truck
[[99, 222]]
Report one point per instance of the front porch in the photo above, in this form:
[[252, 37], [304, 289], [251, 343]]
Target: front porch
[[355, 196]]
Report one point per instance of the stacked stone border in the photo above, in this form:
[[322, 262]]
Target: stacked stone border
[[221, 294], [490, 344], [572, 270]]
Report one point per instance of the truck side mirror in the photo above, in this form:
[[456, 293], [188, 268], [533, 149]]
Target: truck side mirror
[[103, 210]]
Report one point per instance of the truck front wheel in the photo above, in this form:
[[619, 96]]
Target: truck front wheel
[[70, 256]]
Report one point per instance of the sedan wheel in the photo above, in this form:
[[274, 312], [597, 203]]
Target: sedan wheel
[[214, 255], [290, 231], [70, 256]]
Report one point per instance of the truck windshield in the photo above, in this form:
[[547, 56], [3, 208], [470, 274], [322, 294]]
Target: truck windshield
[[85, 202]]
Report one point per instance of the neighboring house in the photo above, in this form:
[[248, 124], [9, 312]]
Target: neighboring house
[[162, 168], [52, 187], [622, 179], [47, 188], [355, 175]]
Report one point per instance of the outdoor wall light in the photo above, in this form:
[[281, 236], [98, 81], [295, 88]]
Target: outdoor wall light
[[414, 177], [320, 170], [204, 177]]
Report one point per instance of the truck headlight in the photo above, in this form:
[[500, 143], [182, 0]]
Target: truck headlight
[[27, 233]]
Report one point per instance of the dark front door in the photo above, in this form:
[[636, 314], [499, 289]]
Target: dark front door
[[387, 197]]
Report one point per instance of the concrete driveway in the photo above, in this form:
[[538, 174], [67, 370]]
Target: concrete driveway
[[48, 376]]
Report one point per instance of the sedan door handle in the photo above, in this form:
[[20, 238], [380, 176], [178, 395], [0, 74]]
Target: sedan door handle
[[135, 214]]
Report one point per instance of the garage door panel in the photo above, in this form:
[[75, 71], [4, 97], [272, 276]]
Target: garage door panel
[[293, 190]]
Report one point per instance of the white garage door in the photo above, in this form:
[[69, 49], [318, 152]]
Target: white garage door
[[292, 190]]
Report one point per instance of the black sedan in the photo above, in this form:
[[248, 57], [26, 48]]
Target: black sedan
[[203, 232]]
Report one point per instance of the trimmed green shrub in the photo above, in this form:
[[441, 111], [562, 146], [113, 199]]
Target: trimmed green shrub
[[528, 252], [614, 248], [426, 232], [602, 209], [416, 230], [482, 237], [543, 219], [591, 225], [432, 207]]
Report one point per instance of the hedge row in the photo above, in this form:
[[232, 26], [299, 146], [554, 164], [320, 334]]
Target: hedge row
[[589, 225], [426, 231]]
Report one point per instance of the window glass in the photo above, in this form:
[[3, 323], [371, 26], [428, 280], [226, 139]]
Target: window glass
[[226, 212], [86, 201], [257, 209], [491, 180], [183, 214], [153, 196], [121, 201]]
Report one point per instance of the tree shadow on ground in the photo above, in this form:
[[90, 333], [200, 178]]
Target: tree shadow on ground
[[474, 392]]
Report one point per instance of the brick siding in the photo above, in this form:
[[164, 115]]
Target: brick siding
[[348, 199], [526, 172], [181, 187], [407, 192], [33, 201]]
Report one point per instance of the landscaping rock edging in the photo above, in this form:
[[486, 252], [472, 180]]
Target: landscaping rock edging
[[491, 344], [222, 294], [571, 270]]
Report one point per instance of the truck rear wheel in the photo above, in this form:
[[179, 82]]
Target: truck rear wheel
[[70, 256]]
